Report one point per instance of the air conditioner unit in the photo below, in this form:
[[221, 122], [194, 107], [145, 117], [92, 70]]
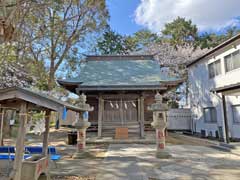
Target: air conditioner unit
[[203, 133], [210, 134]]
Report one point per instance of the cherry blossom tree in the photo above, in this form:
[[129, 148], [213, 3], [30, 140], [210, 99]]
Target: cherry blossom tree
[[173, 61]]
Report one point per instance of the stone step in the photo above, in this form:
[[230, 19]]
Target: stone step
[[114, 127], [221, 148], [231, 146], [227, 148], [119, 123], [129, 130], [132, 132]]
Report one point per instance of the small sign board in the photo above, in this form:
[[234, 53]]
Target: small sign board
[[121, 133]]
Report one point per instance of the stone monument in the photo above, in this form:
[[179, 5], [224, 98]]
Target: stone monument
[[81, 124], [160, 123]]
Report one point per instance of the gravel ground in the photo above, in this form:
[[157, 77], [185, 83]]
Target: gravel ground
[[3, 173]]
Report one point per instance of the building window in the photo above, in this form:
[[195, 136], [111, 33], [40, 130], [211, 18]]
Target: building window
[[210, 115], [214, 69], [232, 61], [236, 113]]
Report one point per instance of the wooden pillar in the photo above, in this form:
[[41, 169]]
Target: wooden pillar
[[1, 130], [46, 133], [142, 116], [139, 113], [100, 115], [225, 119], [17, 166]]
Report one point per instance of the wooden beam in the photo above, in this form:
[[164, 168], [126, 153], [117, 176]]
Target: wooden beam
[[119, 88], [46, 133], [17, 166], [121, 96], [10, 104], [100, 115]]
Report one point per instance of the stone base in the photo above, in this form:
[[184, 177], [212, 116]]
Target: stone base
[[82, 155], [163, 155]]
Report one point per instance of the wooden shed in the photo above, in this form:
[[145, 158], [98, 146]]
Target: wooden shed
[[25, 100]]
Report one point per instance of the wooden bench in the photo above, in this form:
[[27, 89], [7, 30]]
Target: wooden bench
[[8, 153], [12, 156]]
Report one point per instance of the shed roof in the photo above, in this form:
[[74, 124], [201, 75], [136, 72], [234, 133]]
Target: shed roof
[[125, 72], [39, 99]]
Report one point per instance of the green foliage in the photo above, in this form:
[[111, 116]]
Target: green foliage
[[181, 32], [114, 43], [143, 38], [209, 40]]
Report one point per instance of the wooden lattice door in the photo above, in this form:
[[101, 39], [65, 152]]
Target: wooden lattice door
[[121, 112]]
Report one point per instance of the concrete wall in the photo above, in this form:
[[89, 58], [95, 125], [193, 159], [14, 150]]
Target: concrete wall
[[179, 119], [200, 96]]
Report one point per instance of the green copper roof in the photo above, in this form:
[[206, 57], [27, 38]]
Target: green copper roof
[[120, 72]]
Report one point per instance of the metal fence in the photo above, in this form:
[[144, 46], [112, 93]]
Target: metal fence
[[179, 119]]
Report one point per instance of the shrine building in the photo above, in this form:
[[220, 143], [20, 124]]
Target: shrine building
[[120, 87]]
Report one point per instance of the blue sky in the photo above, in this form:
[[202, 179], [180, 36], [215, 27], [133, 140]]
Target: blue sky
[[122, 16], [128, 16]]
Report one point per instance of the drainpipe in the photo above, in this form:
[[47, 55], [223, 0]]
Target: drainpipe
[[225, 118]]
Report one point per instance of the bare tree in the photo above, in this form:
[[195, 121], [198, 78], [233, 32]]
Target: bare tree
[[57, 34]]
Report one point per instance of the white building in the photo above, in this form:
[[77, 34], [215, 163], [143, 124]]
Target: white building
[[214, 91]]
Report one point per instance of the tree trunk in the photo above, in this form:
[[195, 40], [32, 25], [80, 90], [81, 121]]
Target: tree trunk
[[51, 77]]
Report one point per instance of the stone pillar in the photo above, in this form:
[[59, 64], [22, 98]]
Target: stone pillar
[[81, 140], [160, 137], [160, 123], [81, 125]]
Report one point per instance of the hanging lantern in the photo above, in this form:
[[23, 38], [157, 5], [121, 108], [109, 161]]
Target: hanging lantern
[[117, 106]]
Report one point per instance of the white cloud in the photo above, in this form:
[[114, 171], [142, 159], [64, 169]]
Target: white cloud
[[206, 14]]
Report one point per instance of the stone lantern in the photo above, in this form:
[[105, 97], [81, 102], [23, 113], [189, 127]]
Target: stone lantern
[[160, 123], [81, 124]]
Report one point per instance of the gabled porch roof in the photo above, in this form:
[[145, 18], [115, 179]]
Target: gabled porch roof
[[37, 100], [104, 73]]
